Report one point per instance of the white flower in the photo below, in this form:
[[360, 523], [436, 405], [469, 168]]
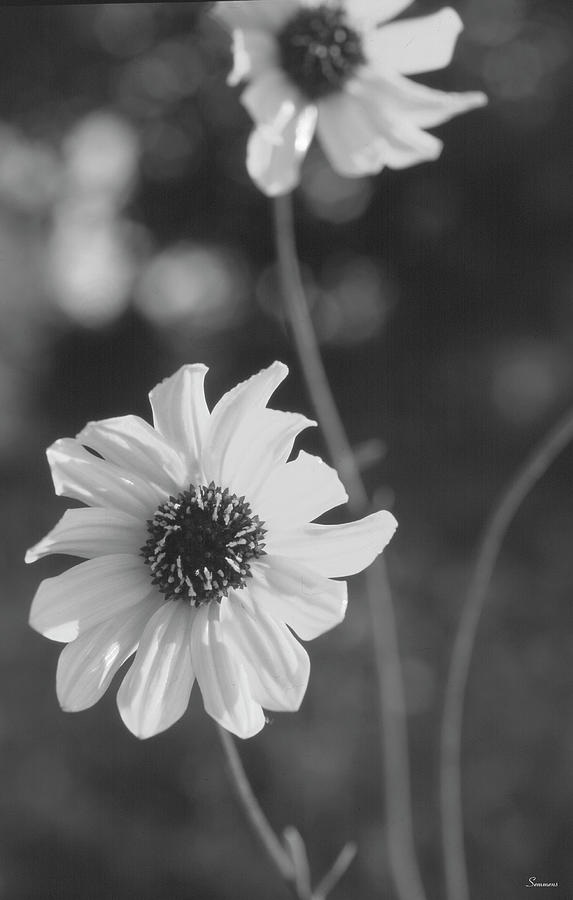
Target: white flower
[[200, 557], [326, 66]]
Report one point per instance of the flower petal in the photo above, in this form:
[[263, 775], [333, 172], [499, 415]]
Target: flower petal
[[275, 165], [278, 666], [88, 664], [263, 14], [377, 121], [87, 594], [425, 107], [369, 13], [255, 391], [350, 140], [253, 53], [406, 143], [272, 101], [374, 136], [181, 415], [223, 680], [233, 407], [336, 550], [131, 442], [155, 692], [90, 532], [409, 146], [262, 442], [298, 492], [285, 128], [80, 475], [289, 591], [423, 44]]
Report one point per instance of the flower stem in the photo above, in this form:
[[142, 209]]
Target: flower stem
[[256, 817], [450, 754], [401, 849], [315, 377]]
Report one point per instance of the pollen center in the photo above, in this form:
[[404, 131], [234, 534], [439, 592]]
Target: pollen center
[[200, 544], [319, 50]]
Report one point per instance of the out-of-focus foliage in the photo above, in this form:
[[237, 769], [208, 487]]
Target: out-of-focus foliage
[[131, 240]]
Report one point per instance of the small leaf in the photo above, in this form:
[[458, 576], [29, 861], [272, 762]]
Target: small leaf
[[296, 849], [335, 873]]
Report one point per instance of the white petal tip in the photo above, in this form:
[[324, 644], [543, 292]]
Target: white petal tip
[[242, 726], [192, 368], [451, 17], [142, 723], [294, 703], [477, 99], [143, 727], [63, 634], [69, 705], [299, 692], [465, 102], [33, 554], [57, 455], [142, 730], [388, 525], [86, 433], [280, 367], [142, 734], [55, 448], [247, 733], [52, 452]]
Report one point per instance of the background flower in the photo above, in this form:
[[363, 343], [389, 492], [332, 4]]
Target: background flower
[[338, 69], [226, 562]]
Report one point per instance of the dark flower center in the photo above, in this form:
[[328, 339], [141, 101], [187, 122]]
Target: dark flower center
[[319, 50], [200, 544]]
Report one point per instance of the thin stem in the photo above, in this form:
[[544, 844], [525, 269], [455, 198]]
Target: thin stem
[[395, 762], [315, 377], [256, 817], [450, 757]]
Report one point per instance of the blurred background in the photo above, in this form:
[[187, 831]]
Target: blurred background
[[131, 241]]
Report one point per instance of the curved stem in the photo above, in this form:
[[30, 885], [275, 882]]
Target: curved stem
[[450, 756], [256, 816], [401, 850]]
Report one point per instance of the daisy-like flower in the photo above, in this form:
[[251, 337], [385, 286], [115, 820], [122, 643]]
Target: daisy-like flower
[[201, 557], [337, 67]]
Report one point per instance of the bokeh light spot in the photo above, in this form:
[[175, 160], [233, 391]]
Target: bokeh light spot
[[101, 155], [528, 378], [331, 197], [355, 300], [201, 286]]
